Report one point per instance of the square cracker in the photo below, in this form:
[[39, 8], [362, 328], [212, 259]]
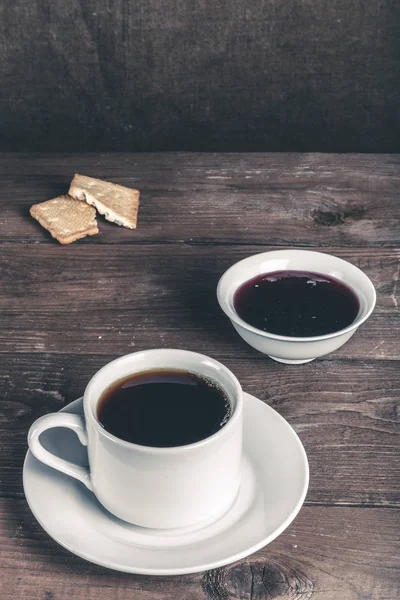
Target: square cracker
[[117, 203], [66, 219]]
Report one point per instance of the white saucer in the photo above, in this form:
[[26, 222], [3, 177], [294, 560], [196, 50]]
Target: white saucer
[[274, 485]]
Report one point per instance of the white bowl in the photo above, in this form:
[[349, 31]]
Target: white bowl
[[294, 350]]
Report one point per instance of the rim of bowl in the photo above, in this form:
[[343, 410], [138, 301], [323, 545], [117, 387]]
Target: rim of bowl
[[233, 315]]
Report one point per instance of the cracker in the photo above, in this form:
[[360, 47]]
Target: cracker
[[66, 219], [117, 203]]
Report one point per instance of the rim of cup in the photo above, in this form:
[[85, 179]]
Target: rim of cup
[[226, 301], [90, 407]]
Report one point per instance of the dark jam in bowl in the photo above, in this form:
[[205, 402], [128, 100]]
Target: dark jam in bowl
[[296, 303]]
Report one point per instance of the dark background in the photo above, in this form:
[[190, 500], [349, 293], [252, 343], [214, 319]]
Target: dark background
[[215, 75]]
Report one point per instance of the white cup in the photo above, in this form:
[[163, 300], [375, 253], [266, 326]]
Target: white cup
[[162, 488]]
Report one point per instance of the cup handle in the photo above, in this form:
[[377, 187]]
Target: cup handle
[[71, 421]]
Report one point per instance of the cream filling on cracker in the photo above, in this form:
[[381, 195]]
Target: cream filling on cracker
[[102, 209]]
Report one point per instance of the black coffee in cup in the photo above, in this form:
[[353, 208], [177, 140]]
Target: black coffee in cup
[[164, 408]]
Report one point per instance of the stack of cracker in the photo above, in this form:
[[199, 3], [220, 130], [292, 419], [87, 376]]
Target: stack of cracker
[[73, 216]]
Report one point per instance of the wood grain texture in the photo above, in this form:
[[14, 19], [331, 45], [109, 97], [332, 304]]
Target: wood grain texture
[[345, 412], [65, 312], [165, 295], [327, 553], [96, 74], [280, 199]]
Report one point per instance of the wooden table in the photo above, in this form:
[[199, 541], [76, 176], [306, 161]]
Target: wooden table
[[66, 311]]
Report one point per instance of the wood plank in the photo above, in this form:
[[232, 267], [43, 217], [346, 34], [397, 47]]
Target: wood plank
[[281, 199], [68, 311], [326, 554], [126, 331], [346, 413], [83, 299]]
